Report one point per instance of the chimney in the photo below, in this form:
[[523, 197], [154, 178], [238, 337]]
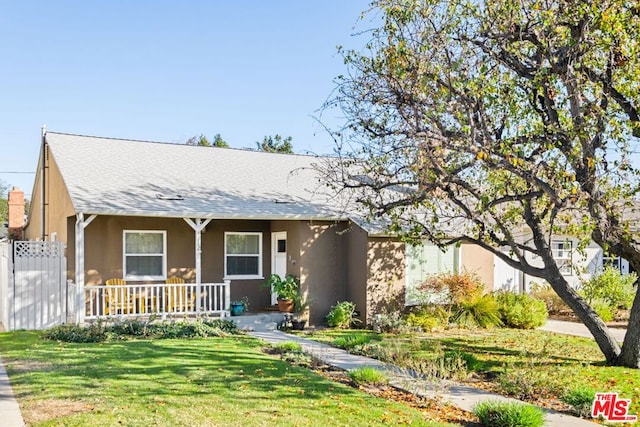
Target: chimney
[[16, 214]]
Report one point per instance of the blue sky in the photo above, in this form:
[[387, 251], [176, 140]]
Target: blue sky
[[168, 70]]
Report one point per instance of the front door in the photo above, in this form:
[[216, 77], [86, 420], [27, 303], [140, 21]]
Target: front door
[[278, 257]]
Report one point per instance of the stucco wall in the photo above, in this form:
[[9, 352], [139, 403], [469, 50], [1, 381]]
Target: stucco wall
[[386, 277], [323, 266], [476, 260], [357, 268]]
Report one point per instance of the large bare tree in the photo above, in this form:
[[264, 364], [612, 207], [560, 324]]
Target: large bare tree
[[504, 124]]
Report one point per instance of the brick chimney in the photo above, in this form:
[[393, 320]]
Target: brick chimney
[[16, 214]]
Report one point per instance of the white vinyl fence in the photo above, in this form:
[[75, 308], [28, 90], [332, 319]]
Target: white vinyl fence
[[33, 289]]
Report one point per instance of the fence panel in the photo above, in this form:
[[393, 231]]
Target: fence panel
[[36, 295]]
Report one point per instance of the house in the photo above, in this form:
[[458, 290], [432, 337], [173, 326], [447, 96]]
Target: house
[[150, 212]]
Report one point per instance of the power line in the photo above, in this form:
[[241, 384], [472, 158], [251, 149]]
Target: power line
[[15, 172]]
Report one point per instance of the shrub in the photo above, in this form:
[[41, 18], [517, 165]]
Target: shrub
[[342, 315], [550, 298], [391, 323], [604, 310], [496, 413], [521, 311], [428, 317], [581, 399], [531, 382], [611, 286], [450, 288], [350, 341], [74, 333], [287, 346], [97, 332], [369, 376], [477, 312]]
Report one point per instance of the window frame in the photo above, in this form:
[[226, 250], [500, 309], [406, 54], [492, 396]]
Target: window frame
[[134, 277], [260, 255], [566, 269]]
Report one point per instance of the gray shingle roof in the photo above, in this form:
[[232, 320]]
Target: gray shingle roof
[[125, 177]]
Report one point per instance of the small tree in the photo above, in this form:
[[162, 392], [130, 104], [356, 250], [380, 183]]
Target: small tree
[[276, 144]]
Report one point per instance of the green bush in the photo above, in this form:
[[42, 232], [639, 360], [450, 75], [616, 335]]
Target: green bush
[[342, 315], [550, 298], [477, 312], [287, 346], [94, 332], [604, 310], [350, 341], [494, 413], [521, 311], [97, 332], [611, 286], [368, 376], [428, 317], [581, 399]]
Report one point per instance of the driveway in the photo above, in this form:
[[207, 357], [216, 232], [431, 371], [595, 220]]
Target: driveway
[[577, 329]]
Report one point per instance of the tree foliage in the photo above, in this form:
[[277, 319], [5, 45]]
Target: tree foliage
[[204, 142], [500, 123], [276, 144]]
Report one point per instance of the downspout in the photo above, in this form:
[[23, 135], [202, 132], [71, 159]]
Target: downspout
[[42, 182]]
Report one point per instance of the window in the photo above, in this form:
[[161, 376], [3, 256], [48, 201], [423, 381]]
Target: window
[[144, 255], [426, 260], [243, 255], [561, 250]]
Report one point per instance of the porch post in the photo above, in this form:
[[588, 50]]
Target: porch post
[[81, 224], [198, 225]]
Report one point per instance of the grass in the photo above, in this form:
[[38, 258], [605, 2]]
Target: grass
[[528, 364], [180, 382], [493, 413]]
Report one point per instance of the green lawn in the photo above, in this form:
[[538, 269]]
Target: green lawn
[[180, 382], [517, 362]]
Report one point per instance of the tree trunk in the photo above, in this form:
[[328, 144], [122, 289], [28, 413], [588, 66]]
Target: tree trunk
[[607, 343], [630, 355]]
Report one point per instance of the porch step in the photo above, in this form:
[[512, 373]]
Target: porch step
[[258, 322]]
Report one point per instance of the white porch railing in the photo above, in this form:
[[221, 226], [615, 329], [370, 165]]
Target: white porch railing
[[155, 299]]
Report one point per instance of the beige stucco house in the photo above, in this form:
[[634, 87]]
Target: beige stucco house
[[146, 212]]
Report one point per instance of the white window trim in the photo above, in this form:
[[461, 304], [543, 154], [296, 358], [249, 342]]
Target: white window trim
[[567, 269], [260, 252], [163, 254]]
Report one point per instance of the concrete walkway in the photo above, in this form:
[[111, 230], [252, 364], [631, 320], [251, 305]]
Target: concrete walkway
[[10, 415], [461, 396]]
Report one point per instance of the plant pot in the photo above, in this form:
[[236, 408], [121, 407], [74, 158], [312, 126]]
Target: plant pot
[[298, 325], [285, 305], [237, 309]]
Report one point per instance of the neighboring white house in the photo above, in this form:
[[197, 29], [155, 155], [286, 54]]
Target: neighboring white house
[[576, 266]]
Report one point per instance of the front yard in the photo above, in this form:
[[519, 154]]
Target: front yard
[[532, 365], [180, 382]]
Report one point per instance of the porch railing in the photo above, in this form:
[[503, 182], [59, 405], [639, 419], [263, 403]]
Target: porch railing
[[162, 300]]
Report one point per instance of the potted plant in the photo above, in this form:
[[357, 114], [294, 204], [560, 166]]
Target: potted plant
[[286, 290], [240, 306], [300, 306]]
